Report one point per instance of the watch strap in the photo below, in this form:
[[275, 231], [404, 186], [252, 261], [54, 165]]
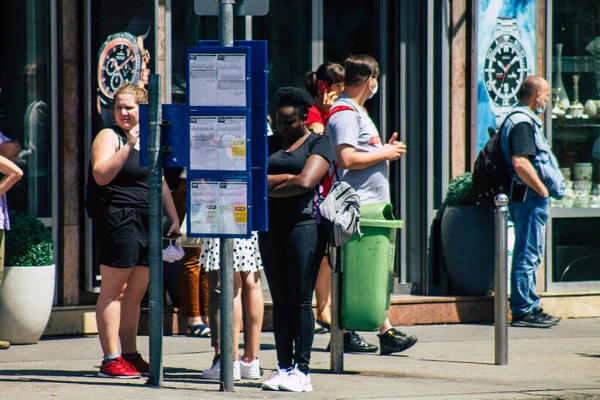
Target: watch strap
[[139, 25], [506, 25]]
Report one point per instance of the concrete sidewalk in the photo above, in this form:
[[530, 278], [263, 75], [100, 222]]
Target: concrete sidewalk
[[448, 362]]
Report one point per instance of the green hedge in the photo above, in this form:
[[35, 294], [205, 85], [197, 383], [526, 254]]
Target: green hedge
[[460, 191], [28, 242]]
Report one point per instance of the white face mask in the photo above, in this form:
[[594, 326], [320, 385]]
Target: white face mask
[[374, 90]]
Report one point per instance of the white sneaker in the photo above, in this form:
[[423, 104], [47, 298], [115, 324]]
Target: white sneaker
[[296, 381], [250, 370], [236, 370], [214, 372], [273, 381]]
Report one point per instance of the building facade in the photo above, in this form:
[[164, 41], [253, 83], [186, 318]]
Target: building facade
[[53, 85]]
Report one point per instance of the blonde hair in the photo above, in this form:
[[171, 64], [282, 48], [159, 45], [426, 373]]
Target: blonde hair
[[139, 94]]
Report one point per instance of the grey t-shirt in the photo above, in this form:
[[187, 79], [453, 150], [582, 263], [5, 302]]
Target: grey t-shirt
[[356, 129]]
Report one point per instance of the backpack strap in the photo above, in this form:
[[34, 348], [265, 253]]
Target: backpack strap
[[337, 110]]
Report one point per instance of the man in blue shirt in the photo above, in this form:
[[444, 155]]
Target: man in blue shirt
[[536, 178]]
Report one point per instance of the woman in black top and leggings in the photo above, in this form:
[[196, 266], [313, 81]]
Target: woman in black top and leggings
[[122, 229], [294, 246]]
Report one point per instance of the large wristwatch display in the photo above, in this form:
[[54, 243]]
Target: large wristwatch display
[[122, 58], [505, 68]]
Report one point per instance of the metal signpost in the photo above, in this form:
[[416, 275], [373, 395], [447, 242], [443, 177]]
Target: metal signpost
[[155, 221], [500, 291], [226, 250]]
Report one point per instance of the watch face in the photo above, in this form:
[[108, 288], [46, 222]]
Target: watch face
[[505, 69], [119, 62]]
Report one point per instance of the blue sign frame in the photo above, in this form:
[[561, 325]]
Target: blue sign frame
[[219, 178], [218, 50], [175, 136], [221, 112]]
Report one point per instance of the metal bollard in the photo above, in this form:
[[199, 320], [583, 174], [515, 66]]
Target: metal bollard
[[500, 290], [336, 337]]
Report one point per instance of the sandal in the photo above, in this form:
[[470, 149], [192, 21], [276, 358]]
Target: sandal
[[324, 327], [199, 330]]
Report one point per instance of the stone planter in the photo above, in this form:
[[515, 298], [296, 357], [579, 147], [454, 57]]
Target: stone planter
[[26, 297], [467, 235]]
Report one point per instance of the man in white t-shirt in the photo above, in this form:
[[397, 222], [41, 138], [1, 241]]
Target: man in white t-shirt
[[364, 159]]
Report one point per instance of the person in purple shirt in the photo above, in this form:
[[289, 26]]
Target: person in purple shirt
[[11, 175]]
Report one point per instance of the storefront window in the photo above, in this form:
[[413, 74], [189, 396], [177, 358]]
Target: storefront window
[[576, 139], [24, 100], [287, 27]]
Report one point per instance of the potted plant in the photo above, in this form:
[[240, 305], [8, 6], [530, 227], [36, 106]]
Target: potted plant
[[467, 238], [27, 290]]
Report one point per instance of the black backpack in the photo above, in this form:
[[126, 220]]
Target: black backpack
[[491, 174], [95, 199]]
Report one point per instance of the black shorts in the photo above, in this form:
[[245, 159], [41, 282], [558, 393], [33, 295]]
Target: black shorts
[[123, 237]]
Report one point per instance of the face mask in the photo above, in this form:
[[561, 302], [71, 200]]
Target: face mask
[[540, 109], [374, 90]]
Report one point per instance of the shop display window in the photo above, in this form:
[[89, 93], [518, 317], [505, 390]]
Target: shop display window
[[575, 135], [576, 101]]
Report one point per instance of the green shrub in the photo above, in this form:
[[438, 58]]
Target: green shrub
[[460, 191], [28, 242]]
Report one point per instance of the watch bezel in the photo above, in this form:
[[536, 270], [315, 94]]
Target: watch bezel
[[111, 41], [489, 74]]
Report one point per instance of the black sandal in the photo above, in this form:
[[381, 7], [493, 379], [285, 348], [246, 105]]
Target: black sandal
[[199, 330], [324, 327]]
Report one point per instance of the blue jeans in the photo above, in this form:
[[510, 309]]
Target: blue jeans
[[530, 223]]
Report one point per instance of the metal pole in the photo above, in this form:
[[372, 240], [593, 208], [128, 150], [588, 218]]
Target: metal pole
[[500, 292], [155, 222], [226, 250], [336, 337]]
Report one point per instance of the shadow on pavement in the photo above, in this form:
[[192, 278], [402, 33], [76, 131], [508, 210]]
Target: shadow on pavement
[[457, 362]]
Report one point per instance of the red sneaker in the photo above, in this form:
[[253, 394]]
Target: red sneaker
[[118, 368], [139, 363]]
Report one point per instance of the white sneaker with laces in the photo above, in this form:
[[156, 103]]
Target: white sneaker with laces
[[296, 381], [275, 379], [214, 372], [250, 370]]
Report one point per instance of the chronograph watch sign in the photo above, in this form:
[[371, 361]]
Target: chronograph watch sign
[[122, 59], [505, 68]]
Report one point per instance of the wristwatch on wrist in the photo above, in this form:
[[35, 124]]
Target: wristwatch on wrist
[[505, 68], [122, 58]]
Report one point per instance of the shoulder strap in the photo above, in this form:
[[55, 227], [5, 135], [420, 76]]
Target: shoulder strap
[[510, 115], [120, 134]]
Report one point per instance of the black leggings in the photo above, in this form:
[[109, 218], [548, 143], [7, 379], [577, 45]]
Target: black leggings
[[291, 258]]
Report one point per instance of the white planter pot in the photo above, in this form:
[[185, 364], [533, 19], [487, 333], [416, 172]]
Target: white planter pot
[[26, 297]]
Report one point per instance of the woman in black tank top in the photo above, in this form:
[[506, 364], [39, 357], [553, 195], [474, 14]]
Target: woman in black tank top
[[122, 229]]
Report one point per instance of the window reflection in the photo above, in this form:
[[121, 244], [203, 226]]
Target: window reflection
[[24, 103]]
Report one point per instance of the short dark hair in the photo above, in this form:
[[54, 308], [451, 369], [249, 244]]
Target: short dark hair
[[359, 68], [289, 96], [531, 85], [329, 72]]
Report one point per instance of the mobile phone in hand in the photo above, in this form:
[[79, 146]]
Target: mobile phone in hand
[[323, 87]]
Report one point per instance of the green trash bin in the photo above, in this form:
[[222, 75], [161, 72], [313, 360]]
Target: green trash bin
[[367, 262]]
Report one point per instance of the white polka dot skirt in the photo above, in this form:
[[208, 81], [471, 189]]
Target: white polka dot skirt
[[246, 257]]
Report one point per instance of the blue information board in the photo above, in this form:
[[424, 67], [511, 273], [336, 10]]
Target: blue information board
[[259, 72], [220, 137]]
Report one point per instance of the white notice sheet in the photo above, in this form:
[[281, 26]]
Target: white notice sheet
[[217, 80], [219, 207], [218, 143]]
